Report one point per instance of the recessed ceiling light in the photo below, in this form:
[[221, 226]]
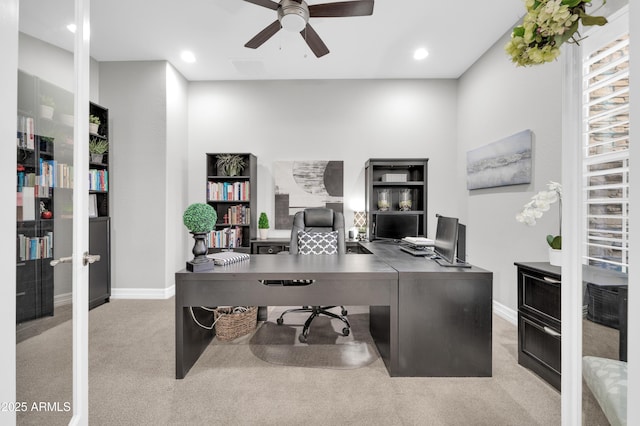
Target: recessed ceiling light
[[72, 28], [420, 54], [188, 56]]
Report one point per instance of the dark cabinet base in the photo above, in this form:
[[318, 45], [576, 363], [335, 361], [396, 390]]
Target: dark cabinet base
[[539, 349], [99, 272]]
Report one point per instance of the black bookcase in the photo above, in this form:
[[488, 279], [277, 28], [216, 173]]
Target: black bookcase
[[44, 190], [396, 178], [235, 201]]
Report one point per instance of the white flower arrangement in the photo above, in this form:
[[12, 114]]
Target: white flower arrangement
[[545, 27], [540, 203]]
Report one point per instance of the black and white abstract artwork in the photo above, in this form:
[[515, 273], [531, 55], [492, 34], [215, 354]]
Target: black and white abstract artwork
[[302, 184], [501, 163]]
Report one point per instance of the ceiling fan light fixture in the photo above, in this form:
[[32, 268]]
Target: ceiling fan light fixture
[[293, 15], [293, 22]]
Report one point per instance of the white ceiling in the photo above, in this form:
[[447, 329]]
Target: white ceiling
[[380, 46]]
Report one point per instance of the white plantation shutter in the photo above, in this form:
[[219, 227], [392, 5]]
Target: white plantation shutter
[[606, 150]]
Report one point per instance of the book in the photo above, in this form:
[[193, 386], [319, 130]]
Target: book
[[418, 241], [228, 257]]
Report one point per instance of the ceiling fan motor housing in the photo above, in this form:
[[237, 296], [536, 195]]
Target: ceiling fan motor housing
[[293, 15]]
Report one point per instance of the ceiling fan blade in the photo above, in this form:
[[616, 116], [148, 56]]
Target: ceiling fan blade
[[345, 8], [265, 3], [264, 35], [314, 41]]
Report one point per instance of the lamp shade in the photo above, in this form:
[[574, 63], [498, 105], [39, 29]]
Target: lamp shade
[[360, 219]]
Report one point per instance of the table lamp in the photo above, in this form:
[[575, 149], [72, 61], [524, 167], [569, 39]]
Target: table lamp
[[360, 222]]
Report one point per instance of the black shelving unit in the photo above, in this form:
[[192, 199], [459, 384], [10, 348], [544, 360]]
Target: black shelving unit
[[235, 201], [44, 159], [100, 224], [394, 176]]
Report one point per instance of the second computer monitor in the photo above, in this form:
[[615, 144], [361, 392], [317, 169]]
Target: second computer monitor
[[446, 238]]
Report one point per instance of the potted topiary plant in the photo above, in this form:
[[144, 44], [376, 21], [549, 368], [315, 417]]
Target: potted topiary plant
[[263, 225], [94, 124], [200, 219], [97, 148], [229, 164]]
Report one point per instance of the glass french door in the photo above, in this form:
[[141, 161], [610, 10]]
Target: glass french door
[[52, 212]]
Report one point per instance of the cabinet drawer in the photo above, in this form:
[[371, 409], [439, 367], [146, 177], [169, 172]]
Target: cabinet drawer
[[539, 349], [26, 301], [26, 271], [271, 249], [539, 294]]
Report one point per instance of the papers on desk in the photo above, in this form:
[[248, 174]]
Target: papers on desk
[[418, 241], [227, 257]]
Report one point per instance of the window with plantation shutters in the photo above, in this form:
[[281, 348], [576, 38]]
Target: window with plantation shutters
[[606, 150]]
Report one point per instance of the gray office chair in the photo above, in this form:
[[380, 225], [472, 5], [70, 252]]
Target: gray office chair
[[317, 231]]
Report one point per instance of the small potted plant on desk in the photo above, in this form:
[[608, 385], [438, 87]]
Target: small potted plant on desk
[[200, 219], [263, 225], [97, 149]]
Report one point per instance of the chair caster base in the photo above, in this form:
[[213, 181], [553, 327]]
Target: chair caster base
[[279, 321], [302, 338], [345, 331]]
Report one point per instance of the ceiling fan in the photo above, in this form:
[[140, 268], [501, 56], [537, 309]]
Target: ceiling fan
[[294, 15]]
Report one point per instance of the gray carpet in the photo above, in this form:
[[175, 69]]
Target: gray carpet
[[131, 363], [325, 347]]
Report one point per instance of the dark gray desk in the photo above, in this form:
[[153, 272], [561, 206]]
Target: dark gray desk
[[339, 280], [444, 316], [426, 320]]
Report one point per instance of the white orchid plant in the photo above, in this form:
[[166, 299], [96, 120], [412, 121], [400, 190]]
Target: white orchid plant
[[546, 26], [540, 203]]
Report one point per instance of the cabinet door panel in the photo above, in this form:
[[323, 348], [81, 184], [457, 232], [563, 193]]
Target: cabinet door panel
[[540, 295], [541, 343]]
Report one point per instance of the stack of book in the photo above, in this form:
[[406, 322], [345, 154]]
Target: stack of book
[[228, 257]]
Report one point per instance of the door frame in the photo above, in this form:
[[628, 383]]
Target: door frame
[[9, 30], [80, 237], [8, 114]]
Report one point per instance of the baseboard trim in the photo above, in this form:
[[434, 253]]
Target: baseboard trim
[[143, 293], [62, 299], [505, 312]]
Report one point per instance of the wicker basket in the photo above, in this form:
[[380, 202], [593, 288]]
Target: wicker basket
[[231, 325]]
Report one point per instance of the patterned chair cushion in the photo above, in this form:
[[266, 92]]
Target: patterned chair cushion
[[318, 242], [607, 379]]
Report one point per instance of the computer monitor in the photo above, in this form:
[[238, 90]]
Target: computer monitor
[[446, 238], [396, 226]]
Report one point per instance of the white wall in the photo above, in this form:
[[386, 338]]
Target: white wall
[[176, 176], [59, 64], [8, 113], [348, 120], [496, 99], [135, 93]]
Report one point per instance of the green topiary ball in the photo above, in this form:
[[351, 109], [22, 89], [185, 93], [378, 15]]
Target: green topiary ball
[[200, 217]]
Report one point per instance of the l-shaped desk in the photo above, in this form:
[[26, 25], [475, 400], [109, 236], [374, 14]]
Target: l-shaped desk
[[426, 320]]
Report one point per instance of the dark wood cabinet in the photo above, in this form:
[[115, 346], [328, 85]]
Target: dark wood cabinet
[[100, 272], [396, 187], [278, 245], [234, 196], [539, 320], [539, 313]]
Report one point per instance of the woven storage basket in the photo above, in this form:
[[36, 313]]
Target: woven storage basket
[[230, 325]]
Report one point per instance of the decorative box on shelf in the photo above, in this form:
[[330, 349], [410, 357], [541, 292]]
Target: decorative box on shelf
[[394, 177]]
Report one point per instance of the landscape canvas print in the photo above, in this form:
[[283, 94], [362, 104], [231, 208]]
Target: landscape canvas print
[[501, 163], [302, 184]]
